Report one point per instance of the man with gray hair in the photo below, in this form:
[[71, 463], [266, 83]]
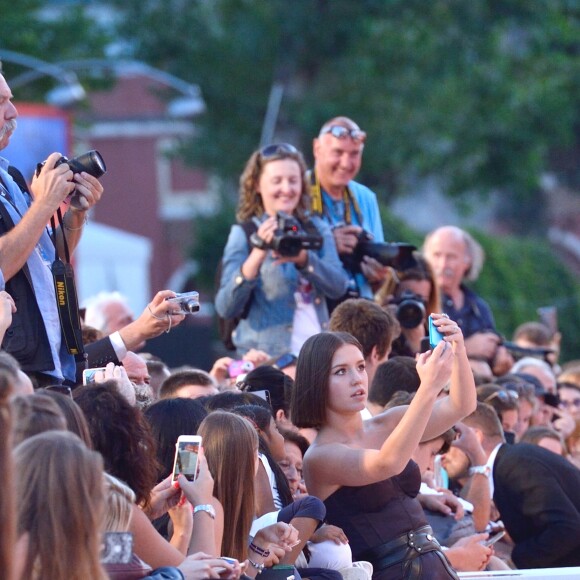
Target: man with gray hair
[[456, 256]]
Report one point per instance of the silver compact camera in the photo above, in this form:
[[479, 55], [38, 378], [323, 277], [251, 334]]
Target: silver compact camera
[[188, 302]]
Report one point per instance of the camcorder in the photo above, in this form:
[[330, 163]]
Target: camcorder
[[410, 309], [290, 237], [91, 162], [396, 254]]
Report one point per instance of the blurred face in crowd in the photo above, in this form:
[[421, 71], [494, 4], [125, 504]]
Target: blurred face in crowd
[[280, 186], [424, 454], [8, 113], [570, 401], [447, 253], [292, 465], [455, 463], [525, 413], [117, 314], [337, 160]]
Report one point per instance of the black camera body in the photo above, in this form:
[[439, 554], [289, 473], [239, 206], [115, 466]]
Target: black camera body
[[90, 162], [396, 254], [410, 311], [290, 237]]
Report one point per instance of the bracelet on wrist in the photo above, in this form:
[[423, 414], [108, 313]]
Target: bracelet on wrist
[[207, 508], [258, 567], [259, 551]]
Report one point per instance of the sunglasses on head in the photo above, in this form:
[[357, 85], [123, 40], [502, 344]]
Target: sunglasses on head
[[61, 389], [342, 133], [505, 397], [277, 150]]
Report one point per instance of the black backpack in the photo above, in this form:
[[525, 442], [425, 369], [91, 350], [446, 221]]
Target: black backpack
[[226, 326]]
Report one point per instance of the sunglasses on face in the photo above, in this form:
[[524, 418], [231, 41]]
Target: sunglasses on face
[[277, 150], [570, 404], [342, 133]]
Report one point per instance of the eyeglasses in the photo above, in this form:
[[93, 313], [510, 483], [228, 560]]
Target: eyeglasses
[[277, 150], [570, 404], [342, 133], [505, 397]]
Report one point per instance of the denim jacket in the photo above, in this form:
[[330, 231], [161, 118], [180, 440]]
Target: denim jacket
[[268, 325]]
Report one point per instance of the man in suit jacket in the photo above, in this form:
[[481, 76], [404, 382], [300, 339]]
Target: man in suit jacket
[[537, 493]]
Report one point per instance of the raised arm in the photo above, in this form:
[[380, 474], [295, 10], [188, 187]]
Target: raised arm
[[462, 397], [392, 436]]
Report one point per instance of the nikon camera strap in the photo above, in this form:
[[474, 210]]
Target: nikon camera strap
[[66, 295]]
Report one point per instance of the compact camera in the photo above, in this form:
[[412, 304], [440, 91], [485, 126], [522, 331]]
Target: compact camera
[[188, 302], [410, 310], [397, 255], [290, 238]]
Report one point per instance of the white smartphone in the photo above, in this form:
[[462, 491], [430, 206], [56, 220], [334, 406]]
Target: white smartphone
[[186, 455], [89, 375]]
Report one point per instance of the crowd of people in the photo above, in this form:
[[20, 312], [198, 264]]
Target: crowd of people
[[337, 442]]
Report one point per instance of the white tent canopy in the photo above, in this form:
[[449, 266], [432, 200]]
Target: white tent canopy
[[109, 259]]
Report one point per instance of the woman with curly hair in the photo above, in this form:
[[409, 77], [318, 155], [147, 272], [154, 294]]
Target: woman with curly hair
[[279, 295]]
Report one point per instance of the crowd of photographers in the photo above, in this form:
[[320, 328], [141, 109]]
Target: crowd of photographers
[[306, 255]]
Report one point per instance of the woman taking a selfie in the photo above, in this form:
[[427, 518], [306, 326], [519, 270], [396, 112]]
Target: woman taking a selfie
[[279, 295], [362, 470]]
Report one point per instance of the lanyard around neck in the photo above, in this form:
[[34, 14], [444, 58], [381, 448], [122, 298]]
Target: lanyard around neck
[[347, 197]]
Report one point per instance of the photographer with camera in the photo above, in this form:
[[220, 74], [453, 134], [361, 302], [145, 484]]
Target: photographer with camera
[[350, 208], [277, 278], [27, 251], [412, 295]]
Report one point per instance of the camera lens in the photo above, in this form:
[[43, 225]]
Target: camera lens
[[190, 306], [410, 313]]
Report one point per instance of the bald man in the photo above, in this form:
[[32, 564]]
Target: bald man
[[456, 257]]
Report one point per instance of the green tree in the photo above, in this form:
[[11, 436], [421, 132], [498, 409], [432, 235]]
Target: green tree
[[480, 94]]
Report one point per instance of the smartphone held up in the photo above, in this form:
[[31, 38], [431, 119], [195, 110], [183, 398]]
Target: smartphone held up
[[186, 457]]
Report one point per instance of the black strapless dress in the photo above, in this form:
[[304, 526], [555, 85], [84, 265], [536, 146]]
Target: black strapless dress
[[376, 514]]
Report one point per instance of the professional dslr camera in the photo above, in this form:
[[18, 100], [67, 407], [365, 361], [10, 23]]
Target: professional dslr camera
[[290, 237], [397, 255], [90, 162], [410, 309]]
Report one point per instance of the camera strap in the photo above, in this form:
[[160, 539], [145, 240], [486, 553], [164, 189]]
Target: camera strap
[[66, 295], [348, 199]]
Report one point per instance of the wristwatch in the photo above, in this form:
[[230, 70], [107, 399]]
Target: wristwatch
[[207, 508], [482, 469]]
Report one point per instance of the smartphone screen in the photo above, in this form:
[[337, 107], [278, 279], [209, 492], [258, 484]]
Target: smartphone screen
[[186, 455], [89, 375], [263, 395], [435, 337]]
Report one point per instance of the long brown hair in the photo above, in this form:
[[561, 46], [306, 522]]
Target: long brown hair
[[250, 203], [60, 499], [230, 445], [7, 494]]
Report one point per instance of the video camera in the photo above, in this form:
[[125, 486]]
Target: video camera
[[410, 310], [396, 254], [290, 237]]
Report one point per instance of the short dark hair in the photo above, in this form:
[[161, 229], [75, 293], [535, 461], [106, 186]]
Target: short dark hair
[[278, 384], [486, 420], [372, 325], [299, 440], [397, 374], [185, 378], [310, 394]]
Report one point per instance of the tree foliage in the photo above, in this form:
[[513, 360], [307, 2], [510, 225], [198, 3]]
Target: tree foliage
[[477, 93]]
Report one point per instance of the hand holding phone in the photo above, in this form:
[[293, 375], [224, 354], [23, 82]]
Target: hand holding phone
[[435, 337], [186, 457], [493, 539]]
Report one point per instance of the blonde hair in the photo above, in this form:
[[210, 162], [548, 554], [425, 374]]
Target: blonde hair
[[119, 501], [35, 414], [250, 203], [60, 499]]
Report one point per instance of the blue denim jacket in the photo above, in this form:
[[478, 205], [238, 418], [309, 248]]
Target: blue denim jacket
[[268, 325]]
